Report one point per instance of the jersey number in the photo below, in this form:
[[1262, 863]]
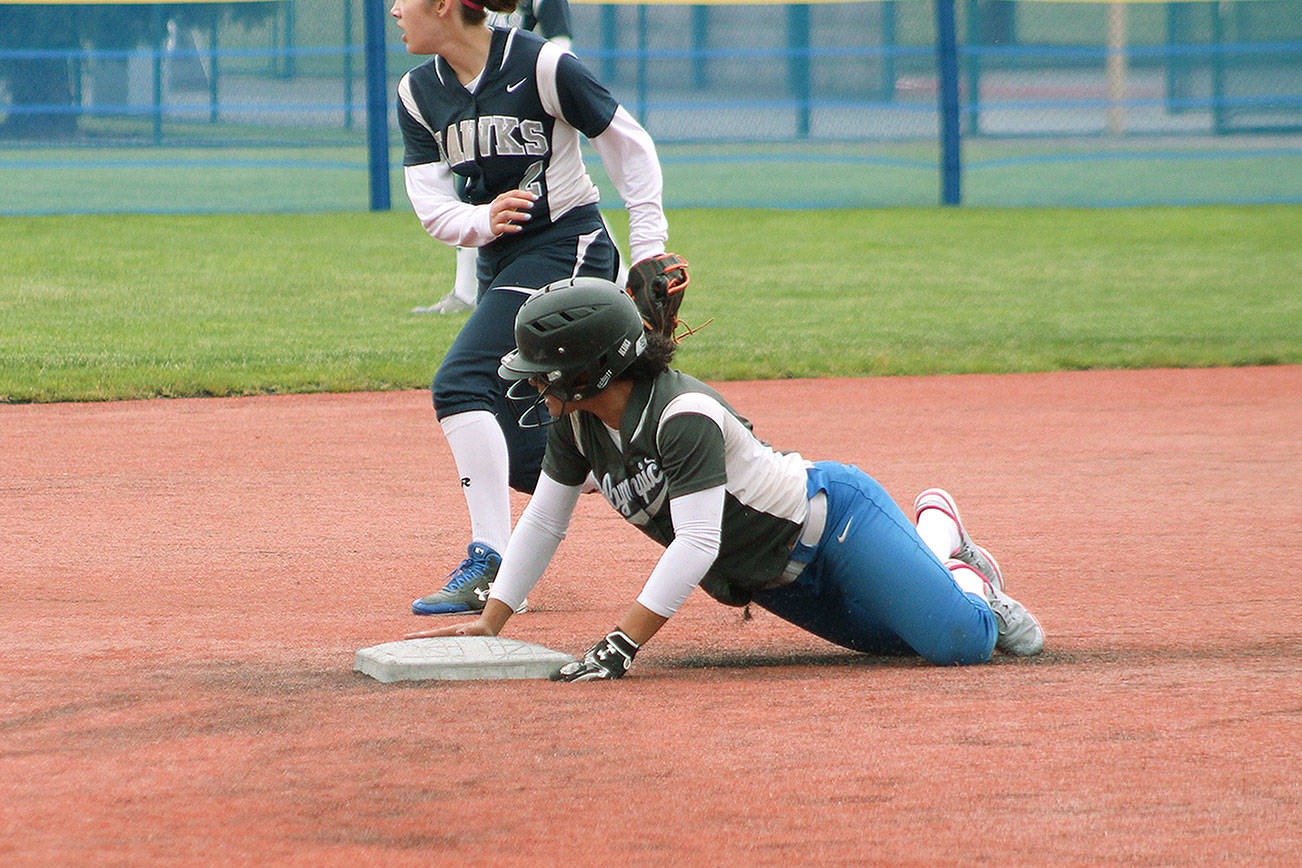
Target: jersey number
[[532, 180]]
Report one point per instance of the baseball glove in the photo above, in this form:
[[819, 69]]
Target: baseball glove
[[656, 285]]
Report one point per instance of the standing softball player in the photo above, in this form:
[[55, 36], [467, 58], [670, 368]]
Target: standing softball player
[[550, 19], [491, 129], [820, 545]]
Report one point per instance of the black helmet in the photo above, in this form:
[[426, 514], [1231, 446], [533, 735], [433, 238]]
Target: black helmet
[[576, 335]]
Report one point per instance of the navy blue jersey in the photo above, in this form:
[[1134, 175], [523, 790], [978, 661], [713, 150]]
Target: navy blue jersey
[[517, 128]]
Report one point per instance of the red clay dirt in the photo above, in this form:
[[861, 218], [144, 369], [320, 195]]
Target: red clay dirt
[[183, 585]]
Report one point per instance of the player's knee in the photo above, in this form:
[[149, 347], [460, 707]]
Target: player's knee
[[961, 646], [523, 479], [439, 396], [440, 387], [453, 391]]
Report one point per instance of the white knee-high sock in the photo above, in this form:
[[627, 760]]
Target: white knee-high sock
[[939, 532], [968, 579], [479, 448], [466, 287]]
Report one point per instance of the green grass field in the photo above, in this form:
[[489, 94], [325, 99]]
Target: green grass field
[[109, 307]]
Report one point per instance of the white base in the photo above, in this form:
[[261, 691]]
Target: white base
[[458, 658]]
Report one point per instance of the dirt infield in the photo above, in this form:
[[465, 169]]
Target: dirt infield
[[183, 585]]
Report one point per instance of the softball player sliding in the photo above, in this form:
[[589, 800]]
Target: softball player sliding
[[821, 545], [491, 131]]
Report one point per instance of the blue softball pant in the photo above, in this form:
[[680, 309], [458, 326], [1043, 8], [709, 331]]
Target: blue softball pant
[[872, 585], [467, 378]]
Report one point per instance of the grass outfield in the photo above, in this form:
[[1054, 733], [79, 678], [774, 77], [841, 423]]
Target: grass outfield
[[109, 307]]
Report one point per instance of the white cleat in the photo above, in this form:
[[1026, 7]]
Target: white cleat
[[1020, 634], [449, 303]]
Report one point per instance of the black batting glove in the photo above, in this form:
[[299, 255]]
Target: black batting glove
[[609, 658]]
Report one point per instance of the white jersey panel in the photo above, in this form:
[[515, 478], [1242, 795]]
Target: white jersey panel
[[568, 183], [759, 476], [409, 102]]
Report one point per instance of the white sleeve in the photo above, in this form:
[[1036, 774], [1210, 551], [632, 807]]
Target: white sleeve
[[629, 155], [698, 527], [539, 531], [434, 196]]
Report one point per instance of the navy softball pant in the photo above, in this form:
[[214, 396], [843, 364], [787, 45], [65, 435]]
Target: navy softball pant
[[467, 378], [872, 585]]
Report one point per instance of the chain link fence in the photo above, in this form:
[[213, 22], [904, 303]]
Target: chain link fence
[[260, 106]]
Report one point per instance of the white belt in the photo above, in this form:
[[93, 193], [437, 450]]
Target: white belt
[[810, 534]]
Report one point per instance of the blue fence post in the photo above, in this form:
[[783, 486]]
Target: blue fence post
[[1177, 68], [291, 24], [377, 105], [74, 18], [700, 44], [973, 66], [214, 67], [273, 58], [951, 167], [886, 90], [1219, 113], [610, 42], [156, 38], [348, 64], [798, 28]]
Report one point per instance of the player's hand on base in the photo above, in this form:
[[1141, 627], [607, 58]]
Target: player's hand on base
[[609, 658], [466, 628]]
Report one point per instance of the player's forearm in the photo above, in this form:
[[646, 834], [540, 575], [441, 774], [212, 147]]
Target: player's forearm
[[444, 216], [456, 223], [495, 615], [629, 157], [698, 529], [539, 531], [640, 623]]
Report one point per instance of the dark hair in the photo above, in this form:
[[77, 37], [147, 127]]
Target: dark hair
[[476, 14], [654, 361]]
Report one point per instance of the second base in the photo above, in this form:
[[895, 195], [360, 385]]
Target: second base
[[458, 658]]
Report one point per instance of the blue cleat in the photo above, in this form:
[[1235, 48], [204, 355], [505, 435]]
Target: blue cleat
[[467, 586]]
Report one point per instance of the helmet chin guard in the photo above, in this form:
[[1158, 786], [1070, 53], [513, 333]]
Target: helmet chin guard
[[536, 415], [576, 336]]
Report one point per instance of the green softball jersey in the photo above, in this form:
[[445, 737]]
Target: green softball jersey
[[679, 436]]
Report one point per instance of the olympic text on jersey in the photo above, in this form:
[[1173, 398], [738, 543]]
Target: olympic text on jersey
[[642, 492]]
